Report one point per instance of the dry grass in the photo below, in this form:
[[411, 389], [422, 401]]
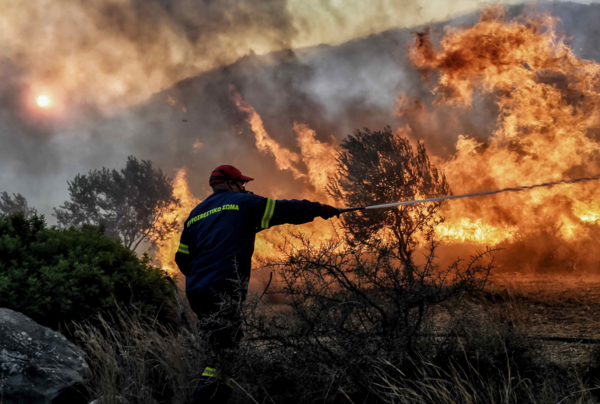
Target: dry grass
[[468, 386], [495, 361], [548, 306], [144, 362], [140, 360]]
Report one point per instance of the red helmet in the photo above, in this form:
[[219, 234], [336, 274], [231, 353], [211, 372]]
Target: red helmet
[[227, 173]]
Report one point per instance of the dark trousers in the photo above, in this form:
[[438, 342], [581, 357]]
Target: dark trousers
[[218, 311]]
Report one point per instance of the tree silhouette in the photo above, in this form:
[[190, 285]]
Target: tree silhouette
[[131, 204], [382, 167], [17, 203]]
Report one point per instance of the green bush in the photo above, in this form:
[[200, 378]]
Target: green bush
[[56, 275]]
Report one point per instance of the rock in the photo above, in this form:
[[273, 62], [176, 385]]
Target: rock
[[36, 363]]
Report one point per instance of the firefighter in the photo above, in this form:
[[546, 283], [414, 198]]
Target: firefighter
[[215, 255]]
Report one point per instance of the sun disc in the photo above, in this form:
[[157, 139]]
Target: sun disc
[[43, 101]]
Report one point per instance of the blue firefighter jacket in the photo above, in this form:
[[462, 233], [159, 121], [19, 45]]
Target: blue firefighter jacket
[[217, 242]]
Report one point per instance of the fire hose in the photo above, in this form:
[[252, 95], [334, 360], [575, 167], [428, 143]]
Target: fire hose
[[443, 198]]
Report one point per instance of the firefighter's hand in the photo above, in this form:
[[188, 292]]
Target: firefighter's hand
[[327, 212]]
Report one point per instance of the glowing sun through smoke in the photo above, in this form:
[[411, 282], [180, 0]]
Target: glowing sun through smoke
[[43, 101]]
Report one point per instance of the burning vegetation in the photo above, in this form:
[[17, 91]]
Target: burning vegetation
[[546, 130], [166, 249]]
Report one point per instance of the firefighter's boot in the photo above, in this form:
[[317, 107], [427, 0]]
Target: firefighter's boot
[[212, 388]]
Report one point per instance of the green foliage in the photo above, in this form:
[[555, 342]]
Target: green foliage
[[131, 203], [58, 275]]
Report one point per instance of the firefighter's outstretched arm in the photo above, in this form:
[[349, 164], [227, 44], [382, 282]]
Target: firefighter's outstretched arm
[[294, 211]]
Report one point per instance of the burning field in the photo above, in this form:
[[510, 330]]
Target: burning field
[[542, 100], [547, 118]]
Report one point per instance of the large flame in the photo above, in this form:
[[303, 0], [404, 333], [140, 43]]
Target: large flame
[[284, 158], [166, 251], [317, 156], [548, 101], [319, 161]]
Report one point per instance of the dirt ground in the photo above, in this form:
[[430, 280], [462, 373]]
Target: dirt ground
[[553, 306]]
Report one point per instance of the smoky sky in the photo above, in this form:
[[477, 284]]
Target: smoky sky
[[334, 89]]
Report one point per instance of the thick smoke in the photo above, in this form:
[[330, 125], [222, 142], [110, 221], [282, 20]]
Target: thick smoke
[[112, 53], [102, 58], [100, 61], [334, 90]]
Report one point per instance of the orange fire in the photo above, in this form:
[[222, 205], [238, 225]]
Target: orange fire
[[166, 251], [548, 100], [319, 159], [284, 158]]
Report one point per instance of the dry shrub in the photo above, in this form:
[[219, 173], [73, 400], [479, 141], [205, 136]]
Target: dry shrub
[[345, 308]]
